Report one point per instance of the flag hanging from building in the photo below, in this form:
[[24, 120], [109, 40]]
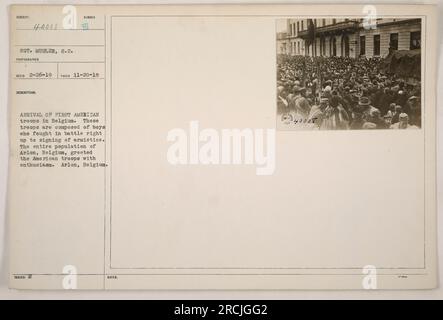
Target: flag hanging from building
[[311, 32]]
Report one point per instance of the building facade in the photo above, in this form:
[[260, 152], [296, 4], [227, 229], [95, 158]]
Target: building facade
[[282, 43], [351, 38]]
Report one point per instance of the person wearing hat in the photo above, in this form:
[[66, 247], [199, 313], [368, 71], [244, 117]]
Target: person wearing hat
[[357, 120], [282, 103], [375, 118], [365, 107], [335, 116], [385, 99], [414, 107], [403, 123], [327, 92], [316, 114], [349, 100], [388, 120], [376, 95], [396, 115], [401, 100], [299, 105], [391, 110]]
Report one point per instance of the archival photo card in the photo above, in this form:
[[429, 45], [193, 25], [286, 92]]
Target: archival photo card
[[209, 147]]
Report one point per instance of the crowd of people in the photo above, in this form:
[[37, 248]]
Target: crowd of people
[[330, 93]]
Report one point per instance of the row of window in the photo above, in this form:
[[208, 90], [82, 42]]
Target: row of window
[[300, 25], [296, 48], [414, 42]]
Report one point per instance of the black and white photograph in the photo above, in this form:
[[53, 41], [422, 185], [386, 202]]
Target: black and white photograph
[[349, 74]]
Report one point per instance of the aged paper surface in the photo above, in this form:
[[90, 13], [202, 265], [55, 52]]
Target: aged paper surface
[[216, 147]]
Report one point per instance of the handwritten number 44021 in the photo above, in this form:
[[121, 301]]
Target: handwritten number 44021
[[45, 26]]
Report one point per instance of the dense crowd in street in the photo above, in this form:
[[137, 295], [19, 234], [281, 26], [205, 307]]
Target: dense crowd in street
[[345, 93]]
